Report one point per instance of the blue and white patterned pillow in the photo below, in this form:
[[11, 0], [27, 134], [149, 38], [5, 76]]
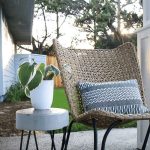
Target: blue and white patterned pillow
[[118, 96]]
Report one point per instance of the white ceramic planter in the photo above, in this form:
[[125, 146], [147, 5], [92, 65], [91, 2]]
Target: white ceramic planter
[[42, 96]]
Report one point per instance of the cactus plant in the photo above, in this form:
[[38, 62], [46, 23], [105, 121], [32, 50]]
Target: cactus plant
[[31, 75]]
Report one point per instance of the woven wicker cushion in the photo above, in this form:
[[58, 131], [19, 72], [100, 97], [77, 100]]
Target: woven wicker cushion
[[119, 96]]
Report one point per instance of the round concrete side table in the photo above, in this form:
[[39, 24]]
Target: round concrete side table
[[42, 120]]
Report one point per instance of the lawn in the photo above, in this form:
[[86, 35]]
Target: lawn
[[60, 99]]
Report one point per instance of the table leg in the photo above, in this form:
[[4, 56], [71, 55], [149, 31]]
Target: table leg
[[21, 139], [35, 140], [52, 133], [28, 140], [64, 138]]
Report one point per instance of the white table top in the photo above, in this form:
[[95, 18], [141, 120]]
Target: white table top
[[49, 119]]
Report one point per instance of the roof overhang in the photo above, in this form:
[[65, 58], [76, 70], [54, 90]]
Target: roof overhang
[[19, 16]]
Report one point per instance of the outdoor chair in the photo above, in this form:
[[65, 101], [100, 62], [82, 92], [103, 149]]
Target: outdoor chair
[[98, 65]]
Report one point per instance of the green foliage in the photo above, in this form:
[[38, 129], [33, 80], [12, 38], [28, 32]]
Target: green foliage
[[132, 19], [31, 75], [66, 7], [15, 93], [96, 17], [102, 19], [50, 71], [36, 80], [24, 76], [112, 42]]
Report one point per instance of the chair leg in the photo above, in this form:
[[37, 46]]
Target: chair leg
[[29, 134], [146, 138], [115, 123], [68, 134], [95, 133]]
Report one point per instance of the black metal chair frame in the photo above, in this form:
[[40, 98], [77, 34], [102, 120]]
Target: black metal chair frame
[[114, 124]]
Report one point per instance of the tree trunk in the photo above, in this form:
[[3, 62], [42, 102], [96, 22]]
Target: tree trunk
[[118, 16], [57, 22], [117, 34], [95, 34]]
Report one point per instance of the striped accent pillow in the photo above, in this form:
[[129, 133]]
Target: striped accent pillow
[[118, 96]]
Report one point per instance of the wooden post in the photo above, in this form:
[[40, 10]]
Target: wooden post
[[57, 80]]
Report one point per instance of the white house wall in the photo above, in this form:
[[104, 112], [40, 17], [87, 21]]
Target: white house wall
[[8, 51], [143, 44], [7, 57], [143, 40]]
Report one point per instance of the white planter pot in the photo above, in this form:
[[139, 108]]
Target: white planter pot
[[42, 96]]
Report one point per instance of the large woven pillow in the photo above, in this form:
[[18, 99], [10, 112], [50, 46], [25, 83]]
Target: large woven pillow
[[119, 96]]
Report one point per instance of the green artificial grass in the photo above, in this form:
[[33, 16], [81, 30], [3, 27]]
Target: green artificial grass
[[60, 101]]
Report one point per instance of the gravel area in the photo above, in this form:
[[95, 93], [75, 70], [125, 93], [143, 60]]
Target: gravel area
[[119, 139], [8, 117]]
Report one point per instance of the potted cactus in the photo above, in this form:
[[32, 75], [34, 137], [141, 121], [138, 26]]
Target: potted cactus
[[36, 79]]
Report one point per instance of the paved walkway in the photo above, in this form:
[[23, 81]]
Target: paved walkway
[[119, 139]]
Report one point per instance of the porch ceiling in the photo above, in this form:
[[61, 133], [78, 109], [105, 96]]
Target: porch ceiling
[[19, 15]]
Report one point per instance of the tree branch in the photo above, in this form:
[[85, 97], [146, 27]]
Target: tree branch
[[27, 49], [33, 43], [36, 40], [40, 44], [63, 21], [45, 37]]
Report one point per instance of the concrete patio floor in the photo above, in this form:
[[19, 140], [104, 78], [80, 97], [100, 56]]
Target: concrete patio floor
[[119, 139]]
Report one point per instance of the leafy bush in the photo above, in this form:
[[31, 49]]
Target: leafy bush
[[15, 93]]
